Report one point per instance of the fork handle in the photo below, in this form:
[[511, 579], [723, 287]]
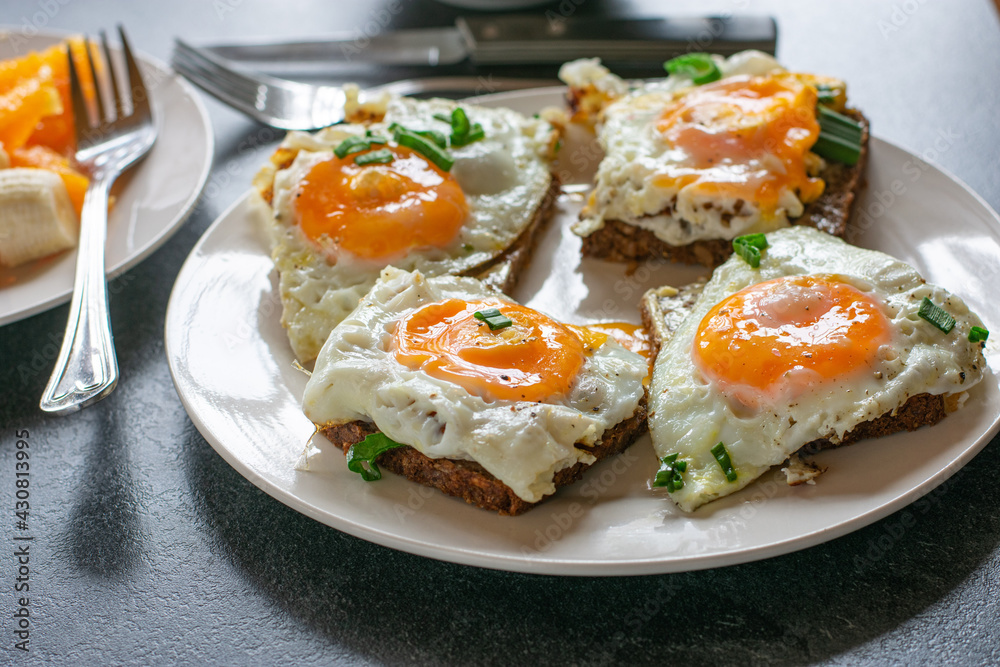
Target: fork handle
[[87, 368]]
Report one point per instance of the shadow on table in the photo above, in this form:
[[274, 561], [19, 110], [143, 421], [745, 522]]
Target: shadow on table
[[394, 607]]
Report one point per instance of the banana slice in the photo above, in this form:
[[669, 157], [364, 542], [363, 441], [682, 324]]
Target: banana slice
[[36, 215]]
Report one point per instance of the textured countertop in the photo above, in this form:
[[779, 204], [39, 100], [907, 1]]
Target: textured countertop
[[150, 549]]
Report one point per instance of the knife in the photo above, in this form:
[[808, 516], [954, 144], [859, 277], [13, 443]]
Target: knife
[[520, 40]]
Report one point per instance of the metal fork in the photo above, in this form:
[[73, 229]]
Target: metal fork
[[293, 105], [87, 369]]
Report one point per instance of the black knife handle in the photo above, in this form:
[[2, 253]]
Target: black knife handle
[[540, 40]]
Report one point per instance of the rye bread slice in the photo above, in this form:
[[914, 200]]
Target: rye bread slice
[[620, 241], [470, 481], [663, 309]]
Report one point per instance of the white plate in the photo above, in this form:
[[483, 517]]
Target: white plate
[[151, 202], [233, 370]]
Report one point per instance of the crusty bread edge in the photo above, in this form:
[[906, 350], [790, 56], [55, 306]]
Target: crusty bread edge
[[470, 481], [620, 241]]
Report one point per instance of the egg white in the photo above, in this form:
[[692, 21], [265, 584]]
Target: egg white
[[523, 444], [689, 414], [504, 177]]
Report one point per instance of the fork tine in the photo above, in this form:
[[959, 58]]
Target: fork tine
[[98, 93], [237, 83], [140, 96], [81, 111], [115, 93], [234, 91], [232, 88]]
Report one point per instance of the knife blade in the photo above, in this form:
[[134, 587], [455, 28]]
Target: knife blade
[[520, 39]]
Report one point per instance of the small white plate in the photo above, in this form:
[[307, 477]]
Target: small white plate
[[151, 201], [232, 366]]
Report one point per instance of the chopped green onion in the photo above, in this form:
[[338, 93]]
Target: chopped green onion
[[722, 456], [377, 139], [459, 122], [670, 473], [978, 334], [361, 456], [839, 125], [749, 246], [837, 149], [825, 94], [475, 134], [435, 136], [839, 137], [494, 318], [351, 145], [425, 147], [383, 156], [936, 315], [699, 67], [443, 117]]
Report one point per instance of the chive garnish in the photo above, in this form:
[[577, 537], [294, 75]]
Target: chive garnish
[[361, 456], [474, 134], [459, 122], [722, 456], [382, 156], [493, 318], [936, 315], [699, 67], [825, 94], [669, 474], [351, 145], [749, 246], [839, 137], [435, 136], [978, 334], [425, 147]]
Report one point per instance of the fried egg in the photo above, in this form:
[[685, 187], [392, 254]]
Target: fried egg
[[523, 401], [820, 338], [714, 161], [335, 223]]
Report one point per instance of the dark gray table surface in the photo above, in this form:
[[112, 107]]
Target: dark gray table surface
[[150, 549]]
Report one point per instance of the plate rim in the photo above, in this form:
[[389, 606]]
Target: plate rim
[[539, 563], [186, 210]]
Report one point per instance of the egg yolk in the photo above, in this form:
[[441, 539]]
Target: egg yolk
[[533, 359], [743, 137], [775, 340], [380, 211]]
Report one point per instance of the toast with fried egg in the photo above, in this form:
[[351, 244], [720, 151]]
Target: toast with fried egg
[[500, 417], [418, 184], [821, 345], [688, 167]]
